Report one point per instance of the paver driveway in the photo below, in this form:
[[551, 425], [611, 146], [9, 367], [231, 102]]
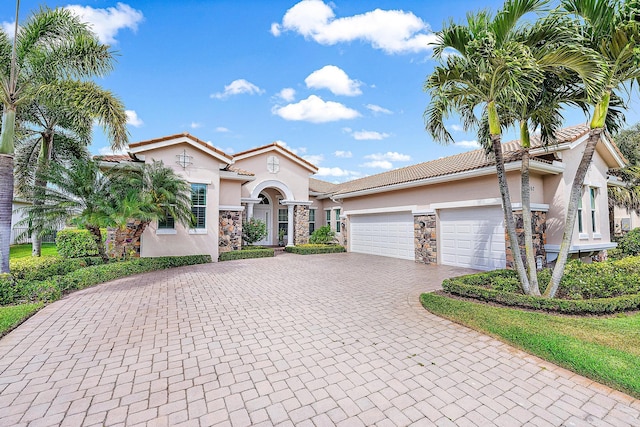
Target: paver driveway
[[292, 340]]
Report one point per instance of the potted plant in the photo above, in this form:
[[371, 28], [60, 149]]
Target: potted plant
[[281, 233]]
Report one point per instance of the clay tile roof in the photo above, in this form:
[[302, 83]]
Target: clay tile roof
[[320, 186], [115, 158], [463, 162], [238, 171], [178, 135]]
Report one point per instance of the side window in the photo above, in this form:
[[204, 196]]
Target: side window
[[312, 221], [199, 205]]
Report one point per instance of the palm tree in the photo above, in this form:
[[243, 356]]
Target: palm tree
[[147, 193], [612, 29], [491, 71], [52, 45], [63, 112], [78, 192]]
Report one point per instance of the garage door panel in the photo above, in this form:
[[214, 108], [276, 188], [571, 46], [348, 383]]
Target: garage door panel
[[383, 234], [473, 237]]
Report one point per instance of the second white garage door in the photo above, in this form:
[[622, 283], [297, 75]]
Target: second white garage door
[[383, 234], [473, 237]]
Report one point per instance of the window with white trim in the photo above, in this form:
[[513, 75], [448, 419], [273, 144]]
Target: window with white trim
[[283, 220], [327, 217], [167, 222], [593, 194], [199, 206], [580, 218], [312, 221], [337, 220]]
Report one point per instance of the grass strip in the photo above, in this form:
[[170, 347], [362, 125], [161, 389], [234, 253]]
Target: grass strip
[[606, 350], [24, 250], [13, 315]]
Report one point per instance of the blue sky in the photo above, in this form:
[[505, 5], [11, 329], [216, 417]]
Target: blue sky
[[339, 83]]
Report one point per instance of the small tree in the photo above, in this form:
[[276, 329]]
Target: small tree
[[322, 235], [253, 230]]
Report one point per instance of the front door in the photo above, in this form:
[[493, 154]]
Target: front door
[[263, 213]]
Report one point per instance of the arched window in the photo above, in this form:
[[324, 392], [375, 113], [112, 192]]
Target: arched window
[[263, 199]]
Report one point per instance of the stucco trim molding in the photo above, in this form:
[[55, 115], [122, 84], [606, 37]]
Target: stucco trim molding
[[230, 208], [279, 185], [390, 209], [295, 202], [542, 207]]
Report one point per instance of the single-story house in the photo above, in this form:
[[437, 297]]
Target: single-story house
[[444, 211]]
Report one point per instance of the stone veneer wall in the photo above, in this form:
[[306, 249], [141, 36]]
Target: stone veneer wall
[[132, 251], [300, 225], [342, 236], [425, 243], [539, 224], [230, 233]]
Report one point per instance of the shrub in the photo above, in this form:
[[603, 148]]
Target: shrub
[[246, 254], [253, 230], [629, 244], [41, 268], [314, 249], [75, 243], [322, 236], [7, 289]]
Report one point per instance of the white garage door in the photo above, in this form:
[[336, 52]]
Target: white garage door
[[473, 237], [383, 234]]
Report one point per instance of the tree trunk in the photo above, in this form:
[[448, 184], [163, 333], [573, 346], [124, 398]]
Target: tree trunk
[[119, 242], [6, 203], [135, 238], [44, 159], [97, 237], [527, 225], [508, 214], [572, 211]]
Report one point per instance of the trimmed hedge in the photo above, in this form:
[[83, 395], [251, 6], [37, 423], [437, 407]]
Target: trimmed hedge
[[32, 287], [76, 243], [246, 254], [588, 306], [315, 249], [41, 268]]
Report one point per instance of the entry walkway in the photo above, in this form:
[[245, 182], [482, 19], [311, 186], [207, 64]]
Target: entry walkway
[[317, 340]]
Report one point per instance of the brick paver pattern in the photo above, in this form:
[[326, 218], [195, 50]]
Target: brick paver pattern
[[294, 340]]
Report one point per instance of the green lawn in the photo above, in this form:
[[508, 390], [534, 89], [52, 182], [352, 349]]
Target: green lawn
[[13, 315], [23, 251], [605, 349]]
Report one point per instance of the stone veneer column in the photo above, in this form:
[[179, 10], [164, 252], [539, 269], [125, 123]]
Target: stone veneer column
[[301, 225], [539, 224], [230, 231], [425, 241], [343, 232]]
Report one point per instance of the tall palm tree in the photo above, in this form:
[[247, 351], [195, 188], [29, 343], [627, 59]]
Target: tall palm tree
[[611, 28], [52, 45], [491, 71], [64, 113]]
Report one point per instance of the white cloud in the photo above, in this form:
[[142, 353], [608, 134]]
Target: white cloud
[[315, 159], [467, 144], [364, 135], [238, 87], [107, 22], [287, 94], [343, 154], [393, 31], [378, 109], [195, 125], [335, 79], [222, 129], [299, 151], [8, 28], [315, 110], [336, 172], [389, 155], [133, 119], [456, 128], [379, 164]]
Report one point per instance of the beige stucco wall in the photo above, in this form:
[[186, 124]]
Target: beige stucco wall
[[557, 190], [623, 213], [204, 170], [230, 192], [291, 174], [478, 188]]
